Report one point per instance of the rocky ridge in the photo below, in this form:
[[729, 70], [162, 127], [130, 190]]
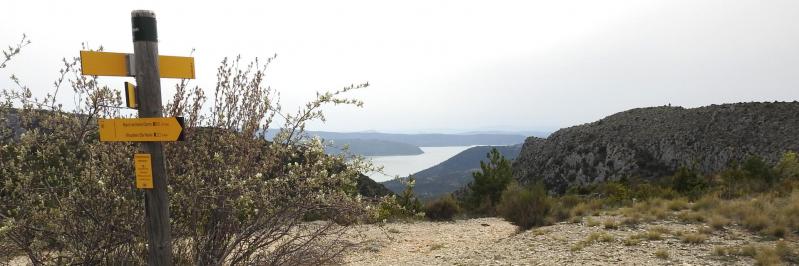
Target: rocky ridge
[[654, 142]]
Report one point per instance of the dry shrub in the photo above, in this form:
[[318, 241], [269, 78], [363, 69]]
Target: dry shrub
[[693, 238], [677, 204], [443, 209], [718, 222], [692, 217], [611, 224], [525, 207], [660, 229], [632, 241], [706, 202]]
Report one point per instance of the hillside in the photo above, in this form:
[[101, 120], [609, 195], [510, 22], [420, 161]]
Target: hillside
[[654, 142], [452, 174], [372, 147]]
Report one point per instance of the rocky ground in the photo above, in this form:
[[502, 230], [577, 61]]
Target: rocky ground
[[493, 241]]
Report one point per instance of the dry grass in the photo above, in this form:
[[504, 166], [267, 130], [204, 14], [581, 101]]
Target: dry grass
[[720, 251], [611, 224], [707, 202], [632, 241], [592, 222], [692, 217], [591, 239], [678, 204], [693, 238], [718, 222], [779, 254], [660, 229], [768, 214], [662, 254], [539, 232], [631, 221]]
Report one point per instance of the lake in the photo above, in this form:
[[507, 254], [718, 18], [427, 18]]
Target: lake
[[409, 164]]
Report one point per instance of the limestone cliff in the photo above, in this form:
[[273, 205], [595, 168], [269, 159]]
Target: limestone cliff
[[653, 142]]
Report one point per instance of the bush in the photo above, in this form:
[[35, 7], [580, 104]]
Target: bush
[[525, 207], [689, 182], [443, 209]]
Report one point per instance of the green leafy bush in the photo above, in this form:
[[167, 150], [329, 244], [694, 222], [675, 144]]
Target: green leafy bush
[[525, 207], [443, 209]]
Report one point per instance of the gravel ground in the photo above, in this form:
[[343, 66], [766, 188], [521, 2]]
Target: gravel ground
[[493, 241]]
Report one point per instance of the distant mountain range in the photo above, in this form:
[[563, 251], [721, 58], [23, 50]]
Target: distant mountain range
[[371, 147], [388, 144], [452, 174], [424, 140]]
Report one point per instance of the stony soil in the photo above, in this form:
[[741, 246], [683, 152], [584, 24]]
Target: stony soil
[[493, 241]]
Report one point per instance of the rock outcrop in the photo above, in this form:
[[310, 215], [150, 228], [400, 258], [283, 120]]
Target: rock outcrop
[[654, 142]]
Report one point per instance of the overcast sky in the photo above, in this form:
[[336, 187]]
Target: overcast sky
[[450, 66]]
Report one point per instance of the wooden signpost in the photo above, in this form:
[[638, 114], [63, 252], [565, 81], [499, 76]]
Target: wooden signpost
[[151, 128]]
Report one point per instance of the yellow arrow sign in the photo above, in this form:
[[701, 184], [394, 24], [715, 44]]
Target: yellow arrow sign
[[141, 129], [143, 165], [122, 65]]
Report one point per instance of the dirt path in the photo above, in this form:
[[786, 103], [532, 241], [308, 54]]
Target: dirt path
[[492, 241]]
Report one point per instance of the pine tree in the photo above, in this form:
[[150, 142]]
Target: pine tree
[[488, 184]]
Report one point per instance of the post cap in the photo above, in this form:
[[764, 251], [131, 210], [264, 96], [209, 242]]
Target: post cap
[[142, 13], [144, 26]]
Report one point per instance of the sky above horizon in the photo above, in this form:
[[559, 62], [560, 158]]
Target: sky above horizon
[[448, 66]]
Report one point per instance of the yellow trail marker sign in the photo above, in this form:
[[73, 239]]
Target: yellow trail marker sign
[[122, 65], [144, 170], [130, 96], [141, 129]]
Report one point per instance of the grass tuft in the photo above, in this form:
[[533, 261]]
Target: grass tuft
[[693, 238], [662, 254]]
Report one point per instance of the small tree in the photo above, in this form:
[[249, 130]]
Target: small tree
[[408, 199], [486, 189]]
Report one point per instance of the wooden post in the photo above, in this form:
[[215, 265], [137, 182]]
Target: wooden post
[[148, 80]]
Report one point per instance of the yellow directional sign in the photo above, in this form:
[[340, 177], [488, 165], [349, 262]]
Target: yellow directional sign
[[143, 165], [130, 96], [122, 65], [178, 67], [104, 64], [141, 129]]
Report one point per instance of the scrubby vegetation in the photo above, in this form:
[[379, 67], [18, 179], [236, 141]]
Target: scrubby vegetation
[[443, 209], [761, 198], [525, 207], [234, 197]]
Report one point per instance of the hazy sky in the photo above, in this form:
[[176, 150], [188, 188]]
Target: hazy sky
[[449, 66]]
